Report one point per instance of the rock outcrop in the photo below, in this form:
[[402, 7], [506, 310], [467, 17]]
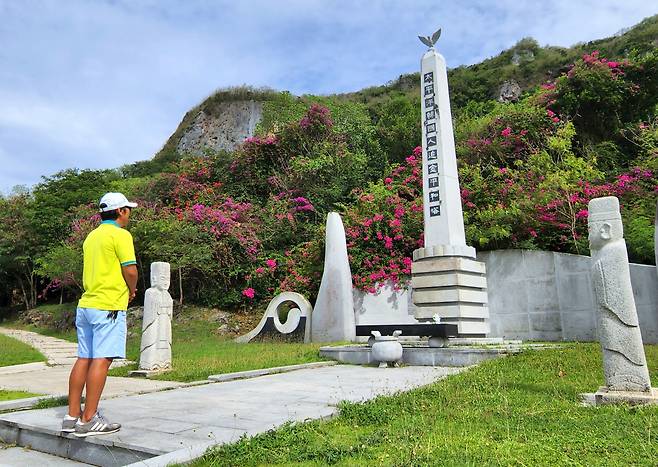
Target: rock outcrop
[[510, 91], [229, 125]]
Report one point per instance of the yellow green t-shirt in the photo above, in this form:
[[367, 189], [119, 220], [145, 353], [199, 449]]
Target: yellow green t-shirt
[[105, 250]]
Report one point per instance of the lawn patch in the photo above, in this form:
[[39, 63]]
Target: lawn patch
[[519, 410], [6, 395], [15, 352]]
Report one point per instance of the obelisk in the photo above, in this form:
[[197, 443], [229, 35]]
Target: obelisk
[[446, 279]]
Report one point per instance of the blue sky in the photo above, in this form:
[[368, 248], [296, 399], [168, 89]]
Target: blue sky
[[97, 84]]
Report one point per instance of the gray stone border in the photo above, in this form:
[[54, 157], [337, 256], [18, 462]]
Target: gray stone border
[[222, 378], [414, 355], [23, 368], [25, 403]]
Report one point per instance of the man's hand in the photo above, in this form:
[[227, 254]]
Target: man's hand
[[132, 295], [130, 276]]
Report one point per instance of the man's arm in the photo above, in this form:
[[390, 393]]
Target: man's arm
[[130, 275]]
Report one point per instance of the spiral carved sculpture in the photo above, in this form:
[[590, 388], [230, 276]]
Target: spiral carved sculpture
[[297, 325]]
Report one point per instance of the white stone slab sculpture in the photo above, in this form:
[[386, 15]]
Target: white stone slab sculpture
[[333, 314], [624, 363], [297, 324], [446, 279], [155, 349]]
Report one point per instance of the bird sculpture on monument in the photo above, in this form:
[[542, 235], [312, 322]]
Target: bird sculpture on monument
[[429, 41]]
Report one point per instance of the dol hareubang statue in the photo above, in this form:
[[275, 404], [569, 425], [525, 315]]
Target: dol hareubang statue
[[624, 362], [155, 349]]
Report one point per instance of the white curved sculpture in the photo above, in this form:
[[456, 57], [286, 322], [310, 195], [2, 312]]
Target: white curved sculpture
[[155, 348], [299, 319], [624, 362], [333, 315]]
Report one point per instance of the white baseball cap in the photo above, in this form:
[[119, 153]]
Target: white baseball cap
[[112, 201]]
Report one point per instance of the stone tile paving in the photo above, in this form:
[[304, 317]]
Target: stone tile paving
[[21, 457], [163, 422]]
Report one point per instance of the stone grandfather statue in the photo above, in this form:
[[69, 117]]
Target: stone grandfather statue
[[155, 349], [624, 362]]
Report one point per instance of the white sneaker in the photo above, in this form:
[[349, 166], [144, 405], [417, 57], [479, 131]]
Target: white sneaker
[[98, 425]]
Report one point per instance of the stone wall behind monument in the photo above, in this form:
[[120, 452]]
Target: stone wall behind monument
[[541, 295], [533, 295]]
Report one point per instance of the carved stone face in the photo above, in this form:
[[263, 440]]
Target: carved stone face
[[603, 232], [604, 221], [160, 275]]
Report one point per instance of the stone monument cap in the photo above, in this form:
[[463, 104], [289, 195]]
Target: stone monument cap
[[604, 209]]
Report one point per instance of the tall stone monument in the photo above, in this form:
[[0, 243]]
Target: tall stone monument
[[333, 315], [155, 349], [624, 363], [446, 279]]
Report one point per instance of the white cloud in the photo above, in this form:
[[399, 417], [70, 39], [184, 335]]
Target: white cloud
[[99, 84]]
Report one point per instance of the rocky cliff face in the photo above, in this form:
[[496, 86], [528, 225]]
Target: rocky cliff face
[[224, 129]]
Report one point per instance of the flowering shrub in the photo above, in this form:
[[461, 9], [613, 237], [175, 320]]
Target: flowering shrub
[[385, 225], [601, 95], [307, 160]]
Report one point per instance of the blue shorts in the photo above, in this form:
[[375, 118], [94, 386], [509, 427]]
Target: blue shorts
[[99, 334]]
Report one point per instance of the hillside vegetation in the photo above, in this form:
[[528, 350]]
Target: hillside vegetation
[[240, 226]]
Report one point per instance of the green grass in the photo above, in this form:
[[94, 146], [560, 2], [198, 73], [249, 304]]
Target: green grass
[[53, 402], [15, 352], [6, 395], [198, 353], [520, 410]]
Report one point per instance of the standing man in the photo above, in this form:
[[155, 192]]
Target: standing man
[[109, 279]]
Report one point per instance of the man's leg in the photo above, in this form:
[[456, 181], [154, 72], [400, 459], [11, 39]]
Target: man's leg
[[76, 385], [96, 377]]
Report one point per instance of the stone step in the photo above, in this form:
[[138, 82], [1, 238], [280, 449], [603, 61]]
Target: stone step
[[449, 296], [452, 311], [447, 264], [449, 280], [50, 440]]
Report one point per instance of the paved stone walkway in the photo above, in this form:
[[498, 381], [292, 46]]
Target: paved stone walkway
[[54, 381], [56, 351], [53, 378], [22, 457], [171, 424]]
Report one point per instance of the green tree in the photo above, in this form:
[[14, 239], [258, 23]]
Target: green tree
[[20, 245]]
